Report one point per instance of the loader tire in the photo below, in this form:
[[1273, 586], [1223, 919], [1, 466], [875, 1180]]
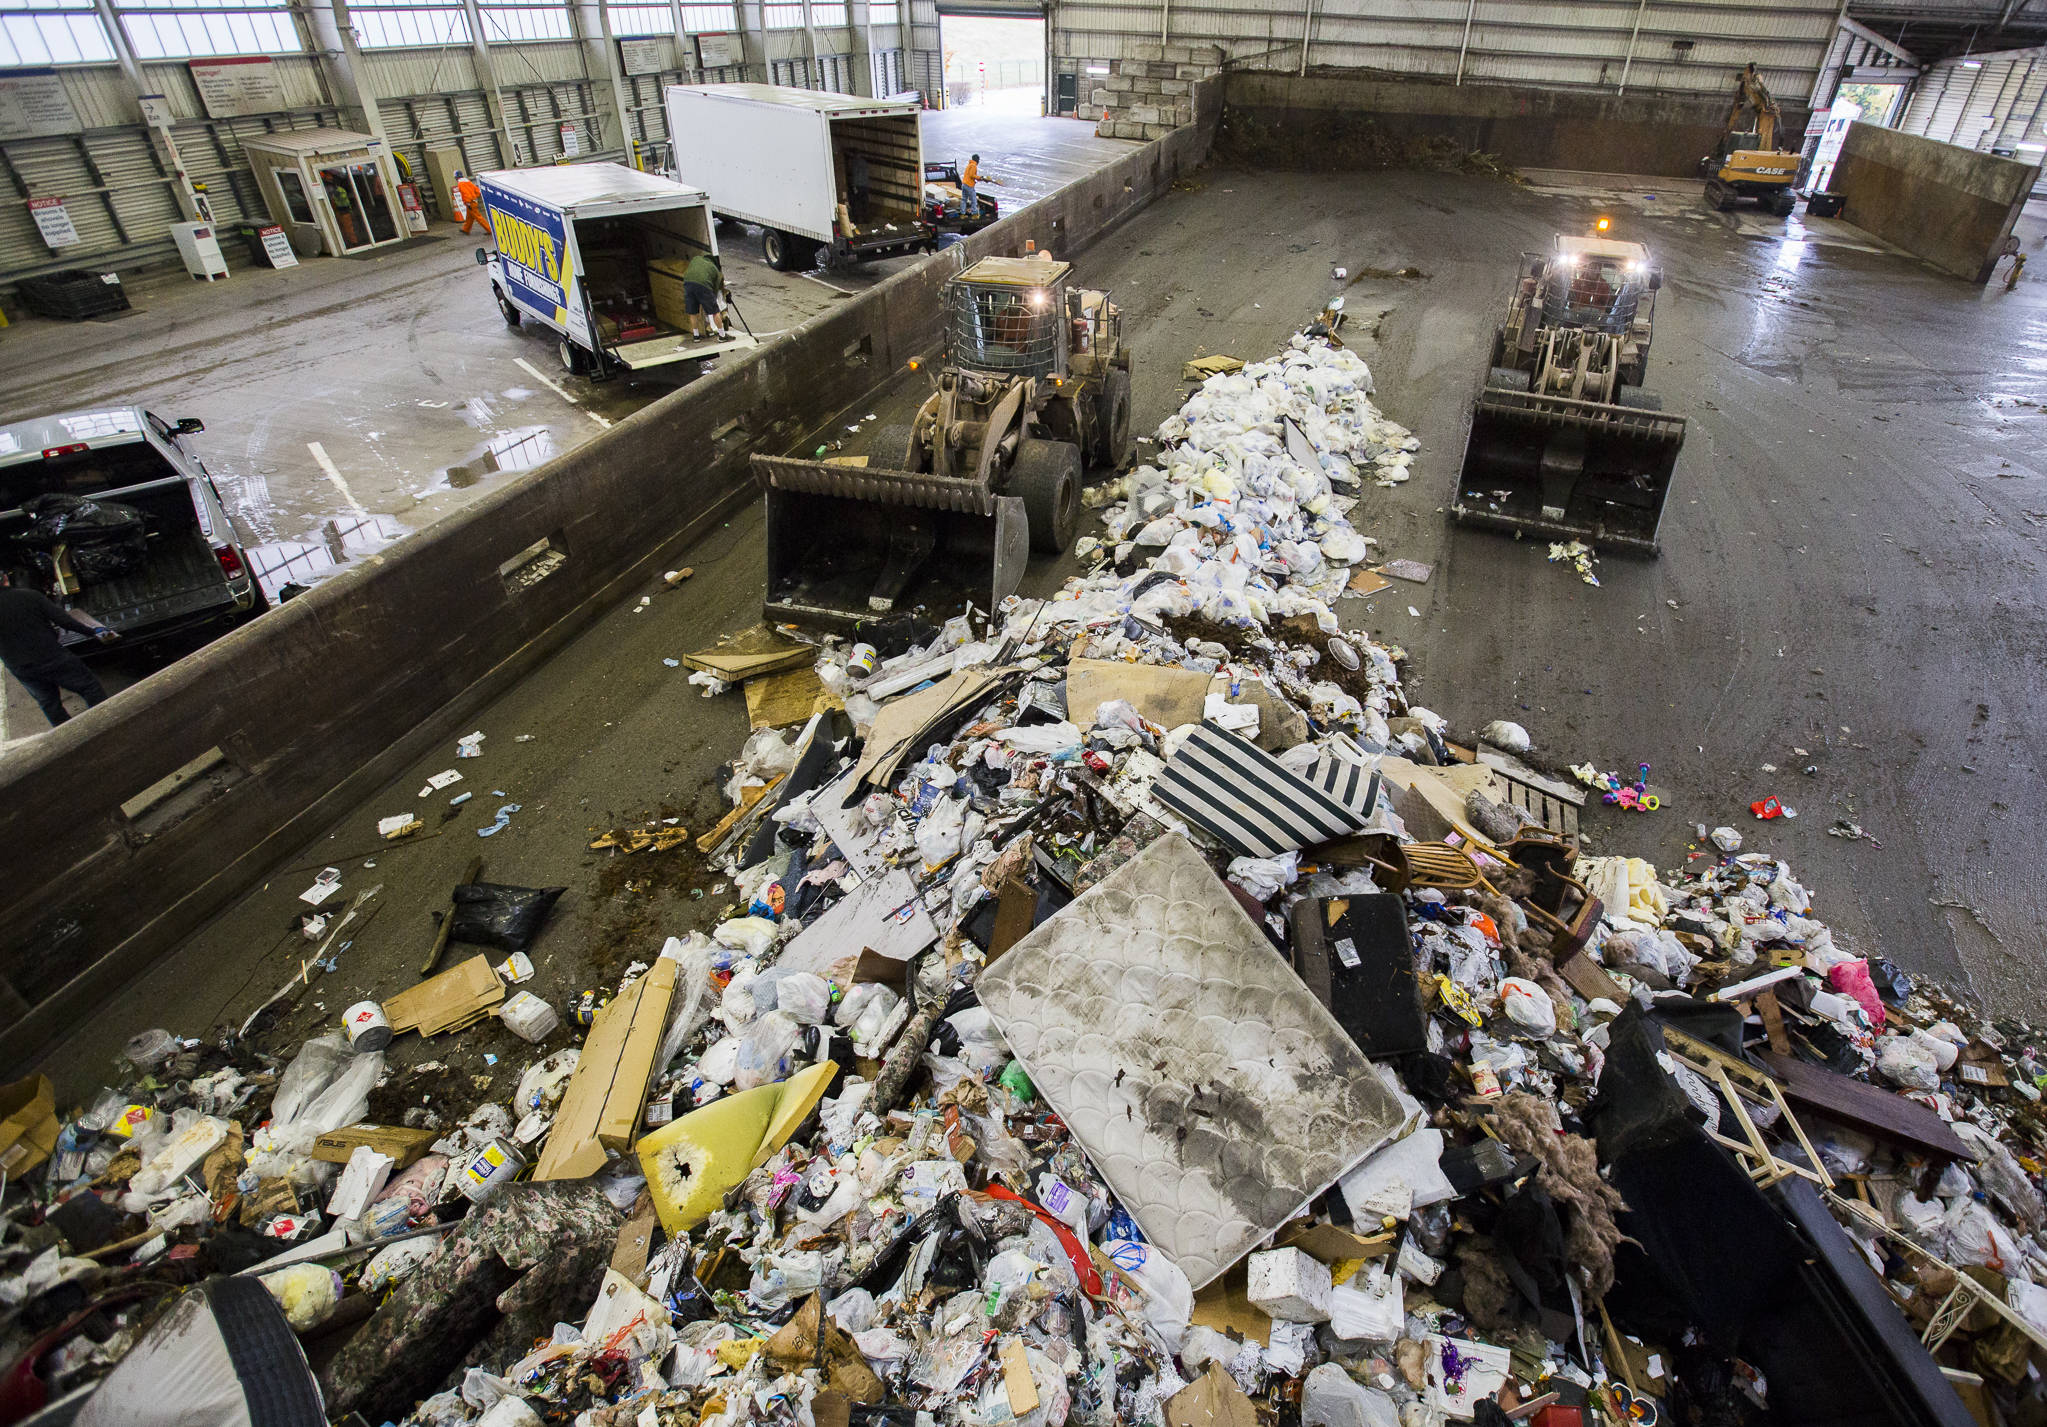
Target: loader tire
[[1047, 476], [891, 448], [1112, 446]]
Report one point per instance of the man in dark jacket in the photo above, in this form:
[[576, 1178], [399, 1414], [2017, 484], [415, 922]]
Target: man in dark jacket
[[29, 621]]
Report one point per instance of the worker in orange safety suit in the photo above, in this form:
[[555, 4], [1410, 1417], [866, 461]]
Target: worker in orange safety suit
[[471, 199]]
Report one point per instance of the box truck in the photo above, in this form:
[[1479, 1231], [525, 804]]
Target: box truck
[[595, 254], [830, 179]]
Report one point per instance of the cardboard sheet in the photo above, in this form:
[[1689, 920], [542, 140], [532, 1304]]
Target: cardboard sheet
[[1165, 696], [778, 700], [402, 1145], [1211, 1400], [750, 653], [601, 1108], [882, 915], [900, 721], [458, 997]]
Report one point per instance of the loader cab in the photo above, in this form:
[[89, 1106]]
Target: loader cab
[[1008, 317], [1597, 283]]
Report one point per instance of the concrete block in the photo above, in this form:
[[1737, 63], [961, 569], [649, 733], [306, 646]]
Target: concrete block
[[1162, 70], [1142, 114], [1149, 88], [1179, 54], [1125, 129], [1192, 71], [1098, 96], [1119, 83], [1143, 53], [1288, 1285], [1156, 131], [1089, 112], [1173, 88]]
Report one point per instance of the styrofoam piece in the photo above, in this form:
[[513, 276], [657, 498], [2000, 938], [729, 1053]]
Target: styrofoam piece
[[1288, 1285]]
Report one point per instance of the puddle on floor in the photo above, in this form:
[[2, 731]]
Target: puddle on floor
[[286, 567], [520, 449]]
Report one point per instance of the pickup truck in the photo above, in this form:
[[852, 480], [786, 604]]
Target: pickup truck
[[110, 511]]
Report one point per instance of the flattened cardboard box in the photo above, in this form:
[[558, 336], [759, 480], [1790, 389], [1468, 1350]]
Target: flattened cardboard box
[[601, 1108]]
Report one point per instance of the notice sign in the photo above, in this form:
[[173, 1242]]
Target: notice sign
[[571, 143], [53, 222], [641, 56], [1832, 136], [277, 247], [33, 104], [717, 51], [236, 88]]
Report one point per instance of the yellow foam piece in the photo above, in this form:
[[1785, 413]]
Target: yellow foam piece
[[800, 1094], [691, 1162]]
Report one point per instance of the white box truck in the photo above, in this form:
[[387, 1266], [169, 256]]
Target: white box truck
[[830, 178], [595, 253]]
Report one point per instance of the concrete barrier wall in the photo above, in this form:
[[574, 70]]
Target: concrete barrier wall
[[1952, 206], [1348, 121], [232, 758]]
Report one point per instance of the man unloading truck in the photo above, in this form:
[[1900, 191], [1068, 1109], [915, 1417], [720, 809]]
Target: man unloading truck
[[703, 284], [29, 621]]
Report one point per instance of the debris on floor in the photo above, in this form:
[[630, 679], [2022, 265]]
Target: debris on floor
[[1131, 1009]]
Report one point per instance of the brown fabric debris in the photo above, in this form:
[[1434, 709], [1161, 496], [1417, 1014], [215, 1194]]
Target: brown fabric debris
[[1570, 1174], [1490, 1298]]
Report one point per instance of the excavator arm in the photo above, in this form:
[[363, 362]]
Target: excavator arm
[[1750, 93]]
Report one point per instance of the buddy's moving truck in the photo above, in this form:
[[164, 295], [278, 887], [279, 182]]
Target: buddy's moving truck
[[595, 253], [830, 178]]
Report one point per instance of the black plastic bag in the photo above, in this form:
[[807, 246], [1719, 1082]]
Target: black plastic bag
[[107, 539], [508, 918]]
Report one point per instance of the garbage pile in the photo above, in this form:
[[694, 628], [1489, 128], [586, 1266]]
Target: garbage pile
[[1136, 1011]]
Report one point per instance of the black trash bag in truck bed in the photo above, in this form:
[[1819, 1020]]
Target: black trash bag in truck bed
[[107, 539]]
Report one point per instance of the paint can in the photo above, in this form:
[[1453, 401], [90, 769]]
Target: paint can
[[497, 1163], [367, 1026], [860, 661]]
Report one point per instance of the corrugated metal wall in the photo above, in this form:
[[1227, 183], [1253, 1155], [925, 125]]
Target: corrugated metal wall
[[1688, 48], [1992, 101]]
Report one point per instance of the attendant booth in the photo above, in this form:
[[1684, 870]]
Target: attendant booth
[[332, 191]]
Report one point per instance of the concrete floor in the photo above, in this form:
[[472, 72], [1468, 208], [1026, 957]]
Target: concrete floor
[[348, 402], [1852, 568]]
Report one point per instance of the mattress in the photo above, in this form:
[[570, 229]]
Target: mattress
[[1211, 1090]]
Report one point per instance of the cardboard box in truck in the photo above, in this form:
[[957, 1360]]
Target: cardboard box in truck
[[830, 179], [576, 252]]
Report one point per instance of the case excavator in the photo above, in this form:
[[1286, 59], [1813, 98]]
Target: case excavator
[[1034, 386], [1563, 441], [1747, 163]]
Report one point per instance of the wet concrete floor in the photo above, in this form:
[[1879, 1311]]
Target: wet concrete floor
[[1851, 568], [349, 402]]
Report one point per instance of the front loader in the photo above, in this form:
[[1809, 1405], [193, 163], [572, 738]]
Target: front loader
[[1563, 441], [1033, 387]]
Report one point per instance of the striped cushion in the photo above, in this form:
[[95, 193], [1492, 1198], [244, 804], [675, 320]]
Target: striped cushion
[[1243, 795], [1352, 784]]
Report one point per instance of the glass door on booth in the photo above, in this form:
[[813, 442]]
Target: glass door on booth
[[339, 186]]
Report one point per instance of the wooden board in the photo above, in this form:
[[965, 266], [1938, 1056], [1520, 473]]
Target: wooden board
[[1868, 1108]]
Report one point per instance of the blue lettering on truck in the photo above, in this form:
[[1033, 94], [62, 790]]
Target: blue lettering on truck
[[532, 251]]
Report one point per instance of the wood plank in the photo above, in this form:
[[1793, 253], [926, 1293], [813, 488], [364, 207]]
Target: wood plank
[[1869, 1108]]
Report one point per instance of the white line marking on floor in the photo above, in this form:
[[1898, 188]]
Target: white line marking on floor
[[822, 283], [334, 475], [541, 377]]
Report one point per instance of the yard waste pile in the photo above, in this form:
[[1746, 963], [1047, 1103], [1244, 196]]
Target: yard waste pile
[[1134, 1010]]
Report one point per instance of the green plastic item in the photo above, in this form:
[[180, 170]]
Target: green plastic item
[[1017, 1082]]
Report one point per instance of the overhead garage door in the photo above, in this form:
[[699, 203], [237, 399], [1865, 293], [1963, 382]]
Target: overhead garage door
[[995, 9]]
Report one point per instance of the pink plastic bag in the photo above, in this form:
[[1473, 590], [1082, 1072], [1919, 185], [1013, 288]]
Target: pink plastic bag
[[1851, 978]]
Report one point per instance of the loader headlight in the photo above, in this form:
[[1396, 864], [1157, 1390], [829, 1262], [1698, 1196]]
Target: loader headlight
[[1040, 301]]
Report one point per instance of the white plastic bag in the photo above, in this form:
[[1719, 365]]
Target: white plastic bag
[[1529, 1006], [768, 1043], [1903, 1061], [805, 997], [1373, 1312], [1168, 1295], [1330, 1398]]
